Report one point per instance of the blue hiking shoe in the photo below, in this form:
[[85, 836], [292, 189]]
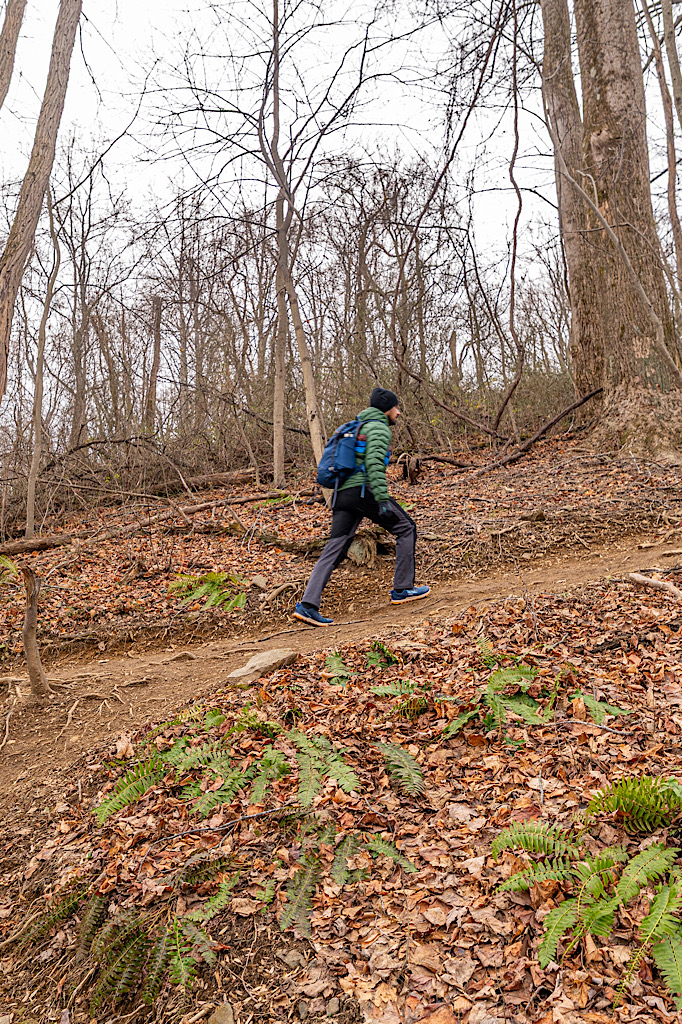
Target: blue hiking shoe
[[413, 594], [307, 613]]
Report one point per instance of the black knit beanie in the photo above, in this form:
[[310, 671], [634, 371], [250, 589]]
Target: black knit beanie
[[382, 399]]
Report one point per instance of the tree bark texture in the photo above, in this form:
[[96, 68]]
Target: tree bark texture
[[150, 405], [34, 185], [11, 27], [563, 112], [622, 327], [38, 392], [39, 684]]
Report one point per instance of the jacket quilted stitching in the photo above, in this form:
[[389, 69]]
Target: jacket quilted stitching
[[376, 428]]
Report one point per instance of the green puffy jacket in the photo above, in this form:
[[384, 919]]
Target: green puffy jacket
[[376, 428]]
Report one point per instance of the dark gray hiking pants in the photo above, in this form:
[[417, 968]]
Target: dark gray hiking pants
[[349, 511]]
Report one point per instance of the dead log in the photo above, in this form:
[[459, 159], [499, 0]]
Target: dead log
[[87, 537], [199, 483], [39, 684], [20, 547]]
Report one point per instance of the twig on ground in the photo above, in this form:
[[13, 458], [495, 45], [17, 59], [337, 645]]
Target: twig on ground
[[646, 581], [69, 717], [20, 931], [227, 827], [593, 725]]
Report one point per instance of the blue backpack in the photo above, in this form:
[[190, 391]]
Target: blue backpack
[[338, 458]]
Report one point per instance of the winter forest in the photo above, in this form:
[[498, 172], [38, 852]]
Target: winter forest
[[223, 225]]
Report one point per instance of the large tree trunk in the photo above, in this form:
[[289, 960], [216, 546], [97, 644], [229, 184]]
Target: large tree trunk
[[563, 112], [279, 345], [11, 27], [622, 332], [38, 392], [22, 232]]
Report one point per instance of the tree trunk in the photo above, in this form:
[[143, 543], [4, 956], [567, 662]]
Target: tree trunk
[[673, 58], [642, 400], [279, 344], [38, 393], [150, 405], [39, 684], [563, 113], [22, 232], [622, 327], [11, 27]]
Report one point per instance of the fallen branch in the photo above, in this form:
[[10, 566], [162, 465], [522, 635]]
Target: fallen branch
[[88, 538], [518, 453], [646, 581], [444, 459]]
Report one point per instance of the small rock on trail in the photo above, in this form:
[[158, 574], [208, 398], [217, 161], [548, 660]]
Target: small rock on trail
[[261, 663]]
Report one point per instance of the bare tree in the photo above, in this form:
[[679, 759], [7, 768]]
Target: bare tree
[[11, 27], [22, 232], [617, 279], [39, 379]]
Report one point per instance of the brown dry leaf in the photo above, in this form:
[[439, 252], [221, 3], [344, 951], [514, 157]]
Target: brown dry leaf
[[124, 746], [245, 907], [443, 1015]]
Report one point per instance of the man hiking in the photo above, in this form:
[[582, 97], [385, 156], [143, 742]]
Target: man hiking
[[365, 494]]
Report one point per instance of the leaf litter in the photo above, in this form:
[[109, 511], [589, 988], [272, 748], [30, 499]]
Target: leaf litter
[[377, 863], [134, 588]]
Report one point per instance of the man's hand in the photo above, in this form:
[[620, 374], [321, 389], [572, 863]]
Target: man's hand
[[386, 512]]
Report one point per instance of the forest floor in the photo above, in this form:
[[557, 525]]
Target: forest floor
[[534, 560]]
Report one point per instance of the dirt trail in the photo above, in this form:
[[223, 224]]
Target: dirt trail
[[98, 701]]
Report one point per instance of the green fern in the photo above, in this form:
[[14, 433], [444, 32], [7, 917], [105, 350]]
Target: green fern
[[213, 718], [644, 804], [453, 727], [93, 916], [346, 848], [215, 904], [599, 709], [339, 672], [212, 754], [396, 688], [215, 588], [300, 893], [201, 941], [557, 870], [559, 921], [204, 866], [116, 934], [536, 837], [598, 918], [485, 650], [524, 707], [131, 788], [271, 767], [645, 867], [316, 759], [592, 873], [60, 908], [380, 657], [309, 778], [211, 799], [516, 675], [122, 975], [382, 848], [182, 965], [667, 956], [403, 768], [156, 968]]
